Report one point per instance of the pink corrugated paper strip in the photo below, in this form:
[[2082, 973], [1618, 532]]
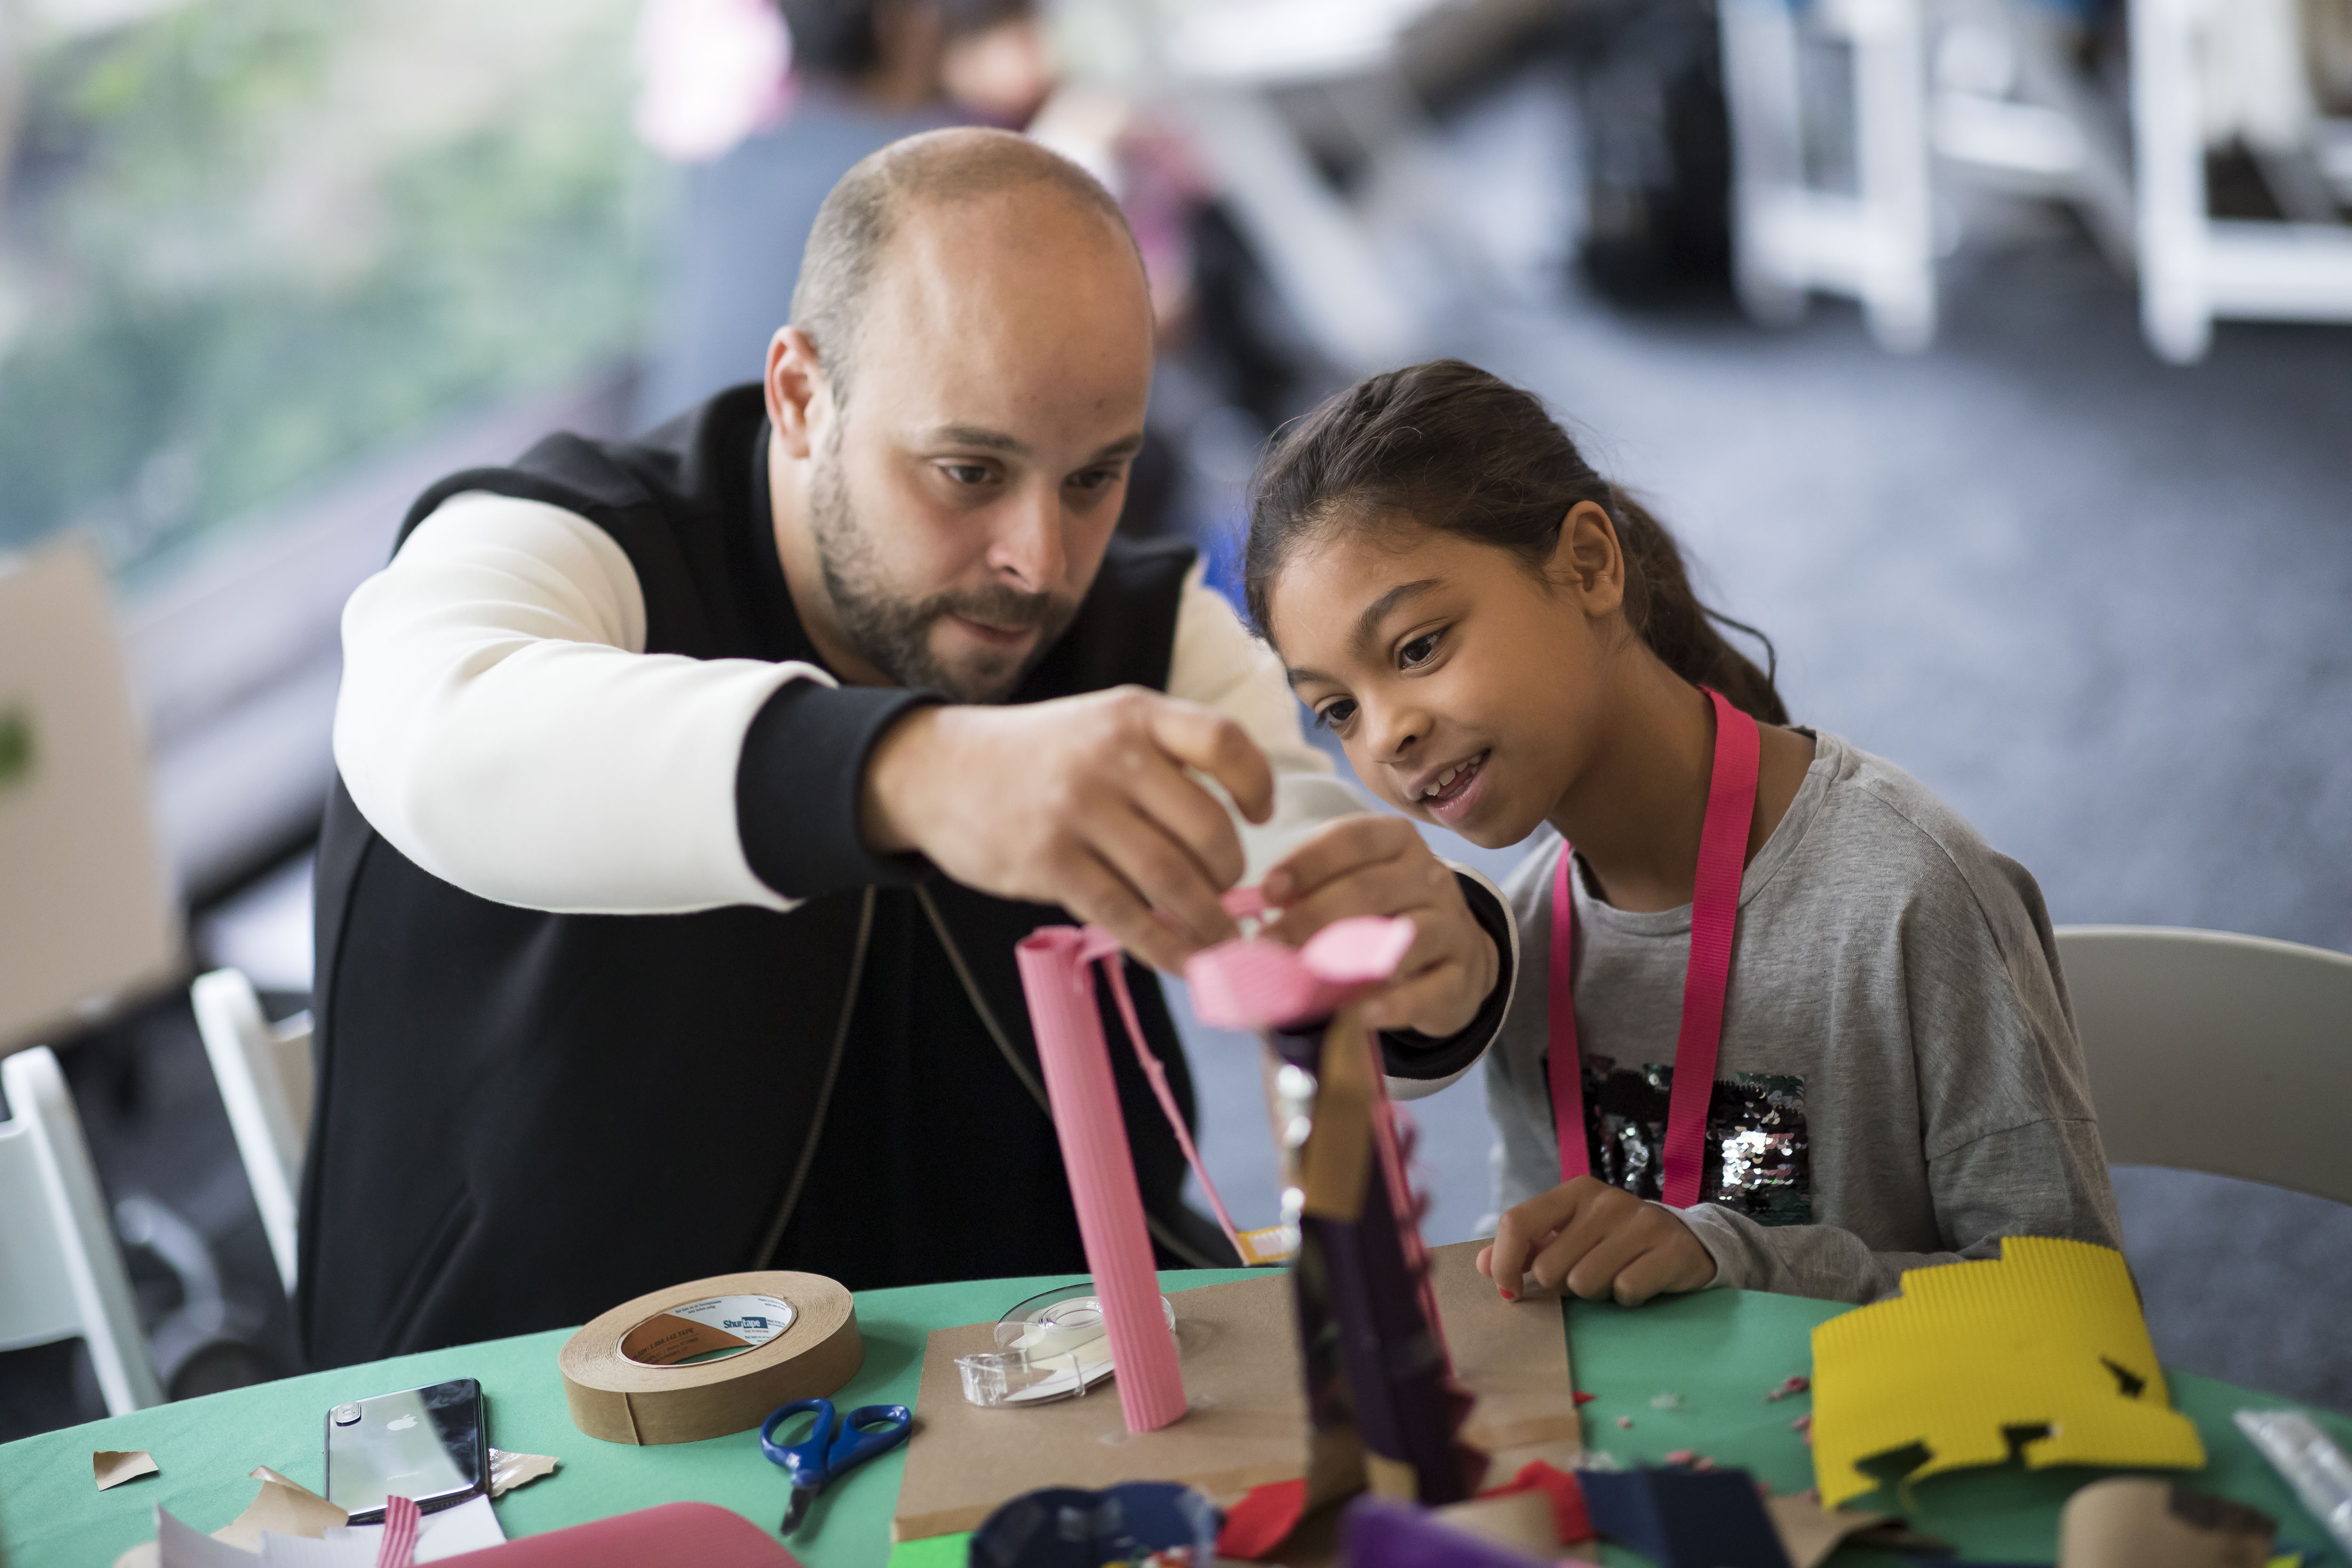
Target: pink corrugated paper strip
[[1070, 1047], [403, 1524]]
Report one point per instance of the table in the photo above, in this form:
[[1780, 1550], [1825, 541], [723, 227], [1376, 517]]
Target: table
[[1720, 1351]]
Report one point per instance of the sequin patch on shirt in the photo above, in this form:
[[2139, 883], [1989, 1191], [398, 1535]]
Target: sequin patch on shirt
[[1757, 1151]]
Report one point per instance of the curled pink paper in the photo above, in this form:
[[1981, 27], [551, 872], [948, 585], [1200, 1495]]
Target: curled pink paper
[[1053, 962], [1257, 982]]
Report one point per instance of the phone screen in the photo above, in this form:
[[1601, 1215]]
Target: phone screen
[[425, 1445]]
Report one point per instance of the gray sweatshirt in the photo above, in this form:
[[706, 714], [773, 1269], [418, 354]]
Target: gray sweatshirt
[[1898, 1082]]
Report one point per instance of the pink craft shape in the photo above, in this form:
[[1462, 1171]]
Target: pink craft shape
[[1256, 982]]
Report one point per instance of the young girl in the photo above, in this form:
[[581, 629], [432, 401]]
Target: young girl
[[1812, 1012]]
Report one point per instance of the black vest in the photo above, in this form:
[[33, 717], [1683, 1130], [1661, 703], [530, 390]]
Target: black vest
[[525, 1118]]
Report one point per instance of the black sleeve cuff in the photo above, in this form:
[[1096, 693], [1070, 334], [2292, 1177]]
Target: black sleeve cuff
[[797, 786], [1409, 1053]]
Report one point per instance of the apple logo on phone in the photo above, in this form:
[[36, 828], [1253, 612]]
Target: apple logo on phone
[[403, 1424]]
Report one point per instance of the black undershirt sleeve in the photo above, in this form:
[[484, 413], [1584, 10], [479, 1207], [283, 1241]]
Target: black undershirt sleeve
[[1409, 1053], [797, 786]]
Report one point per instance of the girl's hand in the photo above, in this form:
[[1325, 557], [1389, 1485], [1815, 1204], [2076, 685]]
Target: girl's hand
[[1378, 865], [1598, 1241]]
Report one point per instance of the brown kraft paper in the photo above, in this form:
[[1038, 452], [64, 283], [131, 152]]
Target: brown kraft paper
[[1238, 1345]]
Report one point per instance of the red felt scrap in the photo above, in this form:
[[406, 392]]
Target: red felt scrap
[[1263, 1520], [1583, 1398], [1570, 1519]]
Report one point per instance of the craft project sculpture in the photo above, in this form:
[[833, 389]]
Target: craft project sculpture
[[1376, 1367], [1383, 1406]]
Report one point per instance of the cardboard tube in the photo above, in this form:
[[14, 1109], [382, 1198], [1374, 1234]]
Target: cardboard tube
[[627, 1379]]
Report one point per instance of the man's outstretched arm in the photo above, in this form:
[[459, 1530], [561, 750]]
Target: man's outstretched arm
[[502, 725]]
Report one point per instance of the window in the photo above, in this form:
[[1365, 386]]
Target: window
[[243, 242]]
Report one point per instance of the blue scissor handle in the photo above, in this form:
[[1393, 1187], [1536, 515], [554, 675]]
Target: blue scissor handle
[[823, 1454]]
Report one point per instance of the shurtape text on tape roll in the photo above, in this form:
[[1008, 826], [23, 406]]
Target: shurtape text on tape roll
[[705, 1359]]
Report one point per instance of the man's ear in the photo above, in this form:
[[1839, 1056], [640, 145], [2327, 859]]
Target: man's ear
[[1588, 562], [796, 381]]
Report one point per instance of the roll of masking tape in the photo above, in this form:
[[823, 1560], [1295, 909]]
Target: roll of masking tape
[[708, 1358]]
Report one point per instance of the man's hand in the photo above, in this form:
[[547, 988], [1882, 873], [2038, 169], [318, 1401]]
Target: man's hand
[[1081, 801], [1380, 866], [1597, 1241]]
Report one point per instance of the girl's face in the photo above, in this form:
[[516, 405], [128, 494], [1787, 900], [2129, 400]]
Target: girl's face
[[1463, 687]]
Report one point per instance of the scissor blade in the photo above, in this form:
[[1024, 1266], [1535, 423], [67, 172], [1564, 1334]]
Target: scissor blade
[[796, 1509]]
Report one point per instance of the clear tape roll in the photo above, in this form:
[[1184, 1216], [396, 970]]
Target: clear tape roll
[[705, 1359]]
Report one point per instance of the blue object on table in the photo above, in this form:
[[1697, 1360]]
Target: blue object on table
[[1683, 1519], [813, 1461], [1070, 1527], [1377, 1533]]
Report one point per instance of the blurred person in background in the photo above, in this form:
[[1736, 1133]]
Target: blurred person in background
[[761, 151]]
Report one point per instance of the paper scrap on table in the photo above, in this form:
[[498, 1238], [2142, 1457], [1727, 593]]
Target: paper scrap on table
[[1809, 1532], [282, 1510], [112, 1467], [509, 1471], [2049, 1336], [287, 1525], [283, 1507], [469, 1527]]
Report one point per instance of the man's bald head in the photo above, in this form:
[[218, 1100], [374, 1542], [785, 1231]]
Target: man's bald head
[[873, 201]]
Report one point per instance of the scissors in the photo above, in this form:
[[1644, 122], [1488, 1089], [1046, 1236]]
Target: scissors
[[815, 1461]]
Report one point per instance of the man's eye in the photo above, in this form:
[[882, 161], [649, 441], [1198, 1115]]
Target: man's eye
[[966, 473], [1095, 479], [1331, 715], [1419, 650]]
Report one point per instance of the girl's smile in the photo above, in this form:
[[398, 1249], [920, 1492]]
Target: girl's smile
[[1451, 792]]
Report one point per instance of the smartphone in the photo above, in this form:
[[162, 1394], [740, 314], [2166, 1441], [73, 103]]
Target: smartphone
[[427, 1445]]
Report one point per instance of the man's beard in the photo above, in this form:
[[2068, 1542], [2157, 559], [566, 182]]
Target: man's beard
[[894, 636]]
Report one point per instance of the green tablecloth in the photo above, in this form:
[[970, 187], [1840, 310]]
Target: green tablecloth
[[1719, 1351]]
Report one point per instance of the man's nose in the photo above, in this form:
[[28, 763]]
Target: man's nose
[[1029, 539]]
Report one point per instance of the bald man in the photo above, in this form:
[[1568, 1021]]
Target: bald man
[[694, 793]]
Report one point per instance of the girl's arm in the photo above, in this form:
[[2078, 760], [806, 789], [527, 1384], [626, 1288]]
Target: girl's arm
[[2046, 1178]]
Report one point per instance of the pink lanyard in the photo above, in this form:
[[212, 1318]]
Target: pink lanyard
[[1715, 909]]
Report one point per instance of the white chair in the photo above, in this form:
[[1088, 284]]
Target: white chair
[[60, 1273], [2218, 70], [264, 1073], [1790, 236], [2230, 1054], [1980, 89]]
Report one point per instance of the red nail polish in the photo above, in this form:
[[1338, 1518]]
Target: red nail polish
[[1508, 1296]]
